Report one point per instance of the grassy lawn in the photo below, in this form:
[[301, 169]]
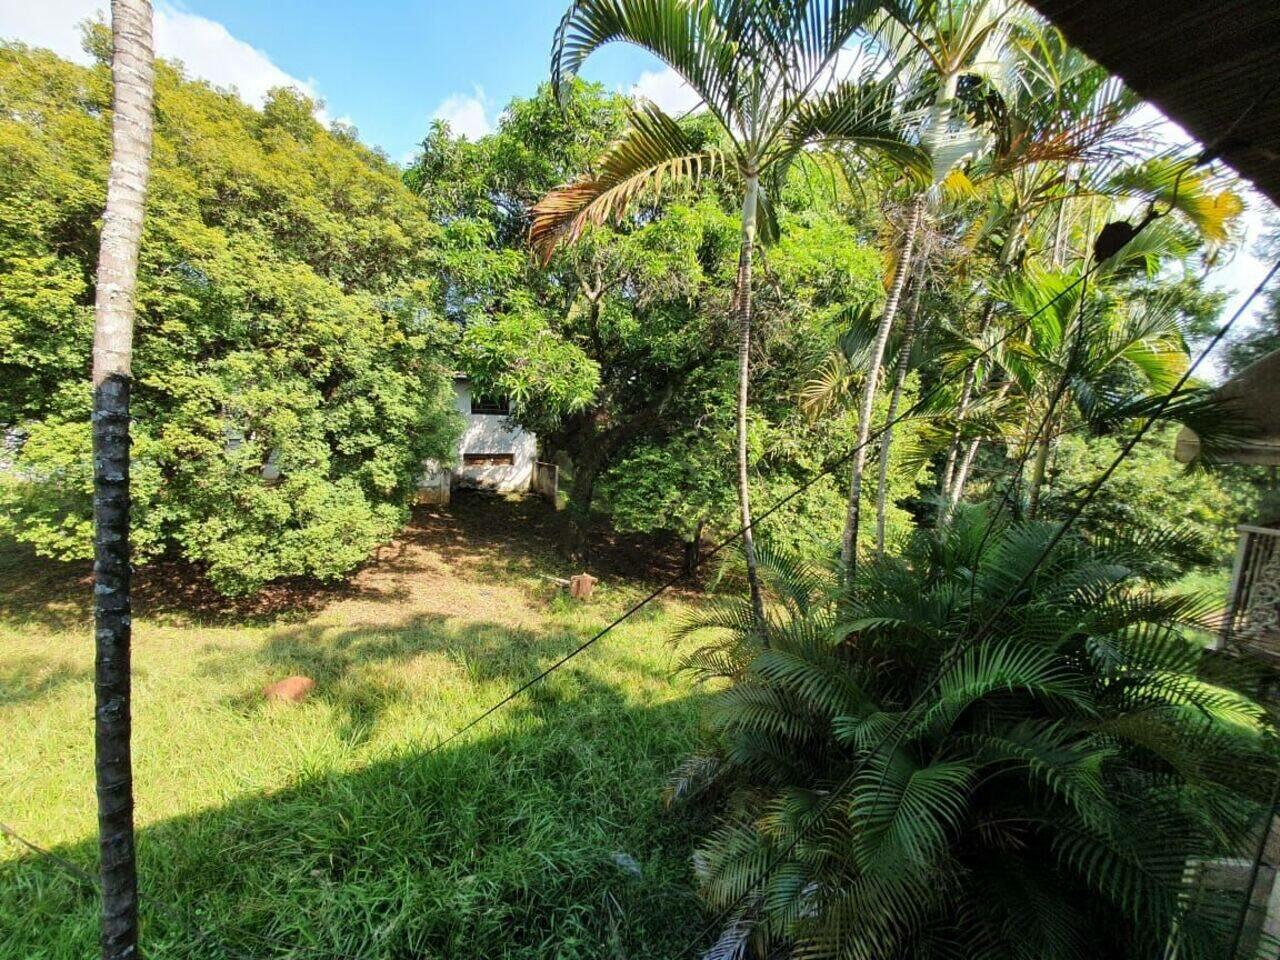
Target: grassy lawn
[[328, 829]]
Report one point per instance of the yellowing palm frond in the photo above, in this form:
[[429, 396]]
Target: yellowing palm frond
[[1203, 201]]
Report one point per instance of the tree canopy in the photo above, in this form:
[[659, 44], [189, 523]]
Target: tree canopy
[[289, 379]]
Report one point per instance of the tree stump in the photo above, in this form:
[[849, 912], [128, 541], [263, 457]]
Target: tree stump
[[581, 585]]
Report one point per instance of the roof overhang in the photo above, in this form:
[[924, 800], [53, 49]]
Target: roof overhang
[[1254, 397], [1210, 66]]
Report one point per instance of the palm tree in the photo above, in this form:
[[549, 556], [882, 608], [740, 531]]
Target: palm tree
[[1065, 154], [1083, 347], [1059, 120], [1042, 795], [953, 40], [131, 122], [766, 73]]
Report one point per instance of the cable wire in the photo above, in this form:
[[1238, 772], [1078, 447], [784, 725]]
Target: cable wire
[[875, 437], [900, 725]]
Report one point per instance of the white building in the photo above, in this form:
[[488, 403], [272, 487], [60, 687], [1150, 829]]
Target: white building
[[493, 452]]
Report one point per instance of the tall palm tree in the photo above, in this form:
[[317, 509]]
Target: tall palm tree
[[1059, 117], [131, 122], [952, 39], [766, 73], [1204, 212], [1066, 152]]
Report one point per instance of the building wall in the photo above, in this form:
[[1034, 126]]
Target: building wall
[[486, 434]]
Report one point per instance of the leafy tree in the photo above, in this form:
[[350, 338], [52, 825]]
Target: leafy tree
[[1265, 337], [766, 75], [290, 374], [1149, 490], [593, 348], [926, 765]]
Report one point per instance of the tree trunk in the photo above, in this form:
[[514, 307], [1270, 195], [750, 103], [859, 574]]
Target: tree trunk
[[849, 542], [586, 468], [952, 487], [1060, 236], [886, 439], [742, 296], [956, 492], [953, 449], [1037, 476], [693, 551], [132, 78]]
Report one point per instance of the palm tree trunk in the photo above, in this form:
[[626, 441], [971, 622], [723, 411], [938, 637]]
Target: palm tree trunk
[[742, 296], [953, 449], [952, 487], [956, 491], [132, 77], [1060, 236], [886, 438], [849, 542], [1037, 476]]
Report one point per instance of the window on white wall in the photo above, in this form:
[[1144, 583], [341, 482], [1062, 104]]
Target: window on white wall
[[491, 406], [488, 459]]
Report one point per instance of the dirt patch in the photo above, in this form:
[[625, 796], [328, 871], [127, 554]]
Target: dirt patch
[[482, 556]]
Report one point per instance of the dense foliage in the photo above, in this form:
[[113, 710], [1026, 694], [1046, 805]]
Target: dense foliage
[[620, 352], [288, 375], [1041, 797], [920, 754]]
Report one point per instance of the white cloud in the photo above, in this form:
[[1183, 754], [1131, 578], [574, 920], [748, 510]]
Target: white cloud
[[666, 89], [208, 50], [205, 47], [467, 115], [54, 24]]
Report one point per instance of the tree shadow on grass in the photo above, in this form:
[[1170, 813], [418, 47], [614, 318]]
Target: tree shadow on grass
[[365, 671], [492, 537], [58, 595], [545, 839], [24, 679], [521, 536]]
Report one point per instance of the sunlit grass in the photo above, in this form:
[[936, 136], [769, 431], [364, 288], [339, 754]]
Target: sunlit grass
[[329, 828]]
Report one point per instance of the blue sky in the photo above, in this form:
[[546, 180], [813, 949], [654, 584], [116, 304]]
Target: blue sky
[[390, 66]]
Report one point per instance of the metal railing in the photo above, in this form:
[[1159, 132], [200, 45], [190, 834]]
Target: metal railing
[[1252, 618]]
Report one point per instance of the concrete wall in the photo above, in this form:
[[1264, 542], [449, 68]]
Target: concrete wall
[[486, 433], [546, 482]]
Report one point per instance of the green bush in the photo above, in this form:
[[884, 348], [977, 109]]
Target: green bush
[[928, 761], [289, 372]]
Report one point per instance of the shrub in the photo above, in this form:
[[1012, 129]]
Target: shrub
[[289, 372], [925, 763]]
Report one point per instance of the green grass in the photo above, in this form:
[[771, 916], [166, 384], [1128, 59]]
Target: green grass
[[329, 829], [1214, 582]]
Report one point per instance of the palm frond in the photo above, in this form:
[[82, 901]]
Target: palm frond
[[653, 151], [857, 116]]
